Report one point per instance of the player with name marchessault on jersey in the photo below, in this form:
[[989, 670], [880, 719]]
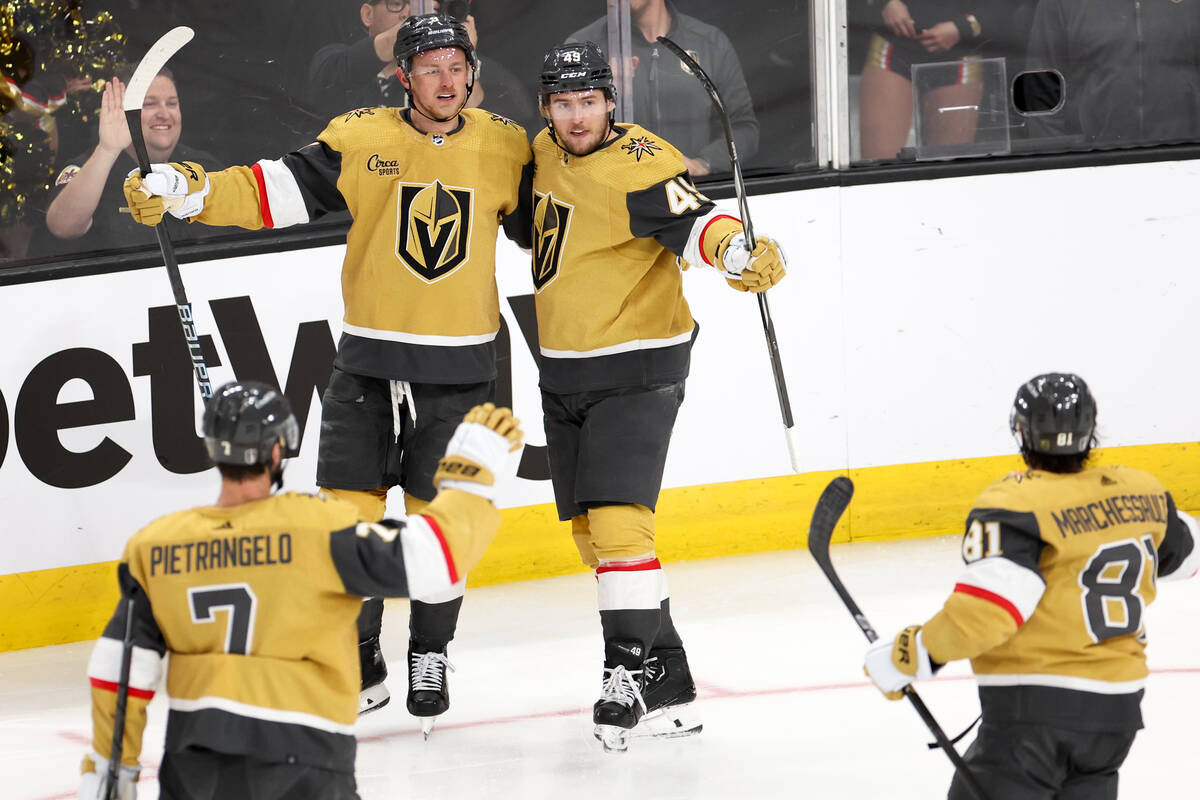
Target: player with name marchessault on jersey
[[255, 598], [616, 220], [1061, 561], [428, 187]]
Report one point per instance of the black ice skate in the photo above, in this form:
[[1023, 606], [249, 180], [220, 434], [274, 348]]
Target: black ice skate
[[668, 694], [428, 691], [374, 694], [621, 705]]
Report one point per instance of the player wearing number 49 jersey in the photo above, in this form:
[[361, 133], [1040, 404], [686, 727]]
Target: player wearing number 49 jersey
[[615, 216], [255, 600], [1062, 561]]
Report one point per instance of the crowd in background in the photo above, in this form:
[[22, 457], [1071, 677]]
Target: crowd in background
[[267, 77]]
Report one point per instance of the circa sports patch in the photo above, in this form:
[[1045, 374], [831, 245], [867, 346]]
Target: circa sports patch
[[64, 177]]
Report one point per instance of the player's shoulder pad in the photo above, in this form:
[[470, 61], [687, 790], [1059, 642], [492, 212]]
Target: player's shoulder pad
[[499, 130], [1014, 492], [357, 122], [1128, 477], [654, 159], [325, 510]]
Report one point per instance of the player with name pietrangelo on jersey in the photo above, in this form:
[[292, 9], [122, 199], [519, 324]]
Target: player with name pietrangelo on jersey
[[615, 218], [428, 187], [255, 599], [1061, 561]]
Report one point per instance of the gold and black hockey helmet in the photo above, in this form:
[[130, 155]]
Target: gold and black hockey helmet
[[426, 32], [575, 68], [243, 421], [1054, 413]]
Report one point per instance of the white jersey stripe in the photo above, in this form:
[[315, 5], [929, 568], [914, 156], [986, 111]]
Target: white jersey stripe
[[418, 338], [283, 194], [145, 665], [1192, 563], [1063, 682], [624, 347], [1018, 585], [259, 712], [692, 253], [425, 562]]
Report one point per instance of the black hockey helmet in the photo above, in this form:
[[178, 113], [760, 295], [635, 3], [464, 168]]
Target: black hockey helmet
[[574, 68], [243, 421], [1055, 414], [425, 32]]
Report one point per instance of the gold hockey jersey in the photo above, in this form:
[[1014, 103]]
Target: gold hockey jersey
[[257, 606], [609, 229], [418, 280], [1051, 606]]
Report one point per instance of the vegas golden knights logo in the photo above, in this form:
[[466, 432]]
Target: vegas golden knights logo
[[551, 224], [433, 230]]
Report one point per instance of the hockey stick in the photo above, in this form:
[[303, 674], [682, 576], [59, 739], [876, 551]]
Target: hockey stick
[[785, 405], [830, 505], [118, 741], [135, 94]]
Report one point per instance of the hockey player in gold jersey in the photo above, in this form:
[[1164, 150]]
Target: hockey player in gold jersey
[[428, 187], [255, 599], [1061, 561], [616, 218]]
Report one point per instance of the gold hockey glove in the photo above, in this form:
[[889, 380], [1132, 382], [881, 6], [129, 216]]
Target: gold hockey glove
[[751, 271], [179, 188], [479, 450], [895, 664]]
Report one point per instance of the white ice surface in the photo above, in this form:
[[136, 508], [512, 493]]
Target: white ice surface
[[787, 711]]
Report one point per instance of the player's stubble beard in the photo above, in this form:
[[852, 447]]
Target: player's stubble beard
[[598, 135]]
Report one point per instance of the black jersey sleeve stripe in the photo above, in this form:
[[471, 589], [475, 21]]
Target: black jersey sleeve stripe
[[666, 212], [518, 226], [1014, 535], [317, 167], [370, 559], [1178, 555], [146, 633]]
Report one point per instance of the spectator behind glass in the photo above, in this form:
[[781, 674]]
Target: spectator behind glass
[[87, 195], [363, 74], [922, 32], [668, 100], [1121, 88]]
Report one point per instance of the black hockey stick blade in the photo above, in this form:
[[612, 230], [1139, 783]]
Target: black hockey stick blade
[[830, 506], [135, 94]]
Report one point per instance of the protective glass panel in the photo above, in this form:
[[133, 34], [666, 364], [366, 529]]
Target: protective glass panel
[[960, 109]]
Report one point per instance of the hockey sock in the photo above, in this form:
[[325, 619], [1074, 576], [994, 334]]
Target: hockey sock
[[370, 619], [432, 625], [630, 599], [667, 635]]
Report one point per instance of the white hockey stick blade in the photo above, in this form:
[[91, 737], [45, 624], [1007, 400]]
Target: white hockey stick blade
[[152, 63]]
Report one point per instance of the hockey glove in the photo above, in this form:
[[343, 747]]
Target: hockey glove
[[895, 664], [751, 271], [178, 188], [478, 451], [95, 780]]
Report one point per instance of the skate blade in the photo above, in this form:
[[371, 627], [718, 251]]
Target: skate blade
[[614, 739], [373, 699], [670, 722], [427, 726]]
